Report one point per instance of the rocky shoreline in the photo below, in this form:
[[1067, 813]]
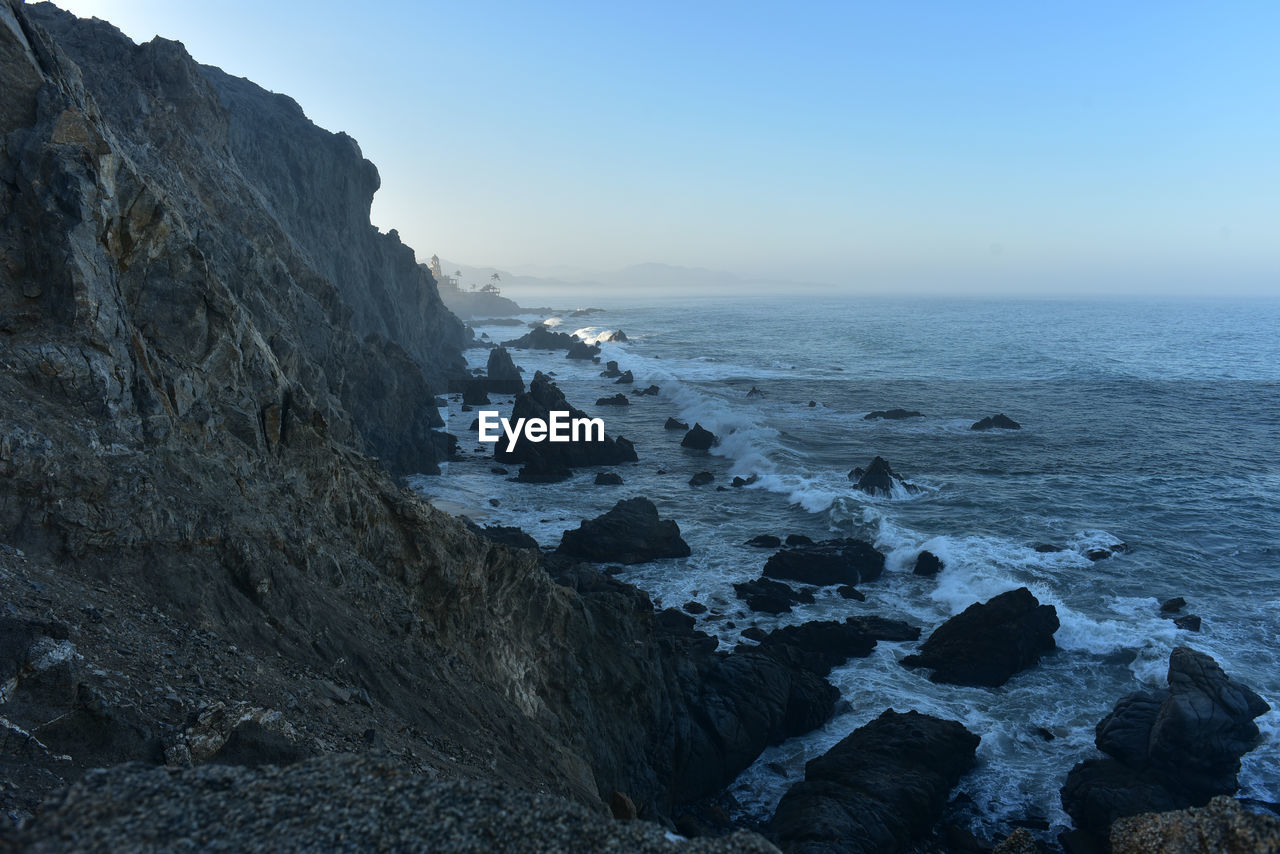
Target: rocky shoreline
[[226, 625]]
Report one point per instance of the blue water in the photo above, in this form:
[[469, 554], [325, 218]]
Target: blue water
[[1154, 424]]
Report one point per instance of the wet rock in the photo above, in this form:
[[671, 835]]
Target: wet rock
[[892, 414], [831, 562], [475, 393], [798, 540], [673, 424], [754, 633], [615, 337], [989, 642], [698, 439], [651, 391], [629, 533], [608, 478], [996, 422], [849, 592], [1173, 606], [611, 370], [498, 470], [702, 478], [502, 373], [542, 398], [764, 541], [879, 789], [755, 393], [542, 338], [1167, 749], [770, 597], [928, 564], [626, 378], [1189, 622], [879, 478], [739, 482], [1048, 548], [583, 351], [541, 470], [695, 607], [617, 400]]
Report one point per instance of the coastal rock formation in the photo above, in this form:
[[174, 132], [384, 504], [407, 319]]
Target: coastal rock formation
[[831, 562], [702, 478], [879, 478], [880, 788], [770, 597], [892, 414], [501, 369], [989, 642], [996, 422], [652, 390], [631, 532], [542, 338], [618, 399], [1167, 749], [673, 424], [823, 644], [212, 364], [608, 478], [583, 351], [1221, 826], [616, 337], [611, 370], [539, 401], [927, 564], [698, 439], [764, 541]]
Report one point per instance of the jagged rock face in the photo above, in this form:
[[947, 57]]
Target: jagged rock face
[[543, 398], [178, 252], [189, 400], [630, 532], [1166, 749], [831, 562], [1221, 826]]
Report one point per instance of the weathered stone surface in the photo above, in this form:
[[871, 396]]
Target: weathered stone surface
[[879, 478], [987, 643], [631, 532], [699, 439], [881, 787], [831, 562], [1221, 827]]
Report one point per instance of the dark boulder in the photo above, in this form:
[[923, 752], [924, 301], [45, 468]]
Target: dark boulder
[[542, 470], [542, 398], [699, 439], [702, 478], [882, 787], [1173, 606], [629, 533], [770, 597], [1048, 548], [615, 337], [740, 482], [799, 540], [626, 378], [651, 391], [892, 414], [542, 338], [611, 370], [608, 478], [989, 642], [928, 563], [823, 644], [618, 399], [831, 562], [1168, 749], [694, 607], [879, 478], [1188, 622], [764, 541], [475, 393], [673, 424], [848, 591], [996, 422], [583, 351]]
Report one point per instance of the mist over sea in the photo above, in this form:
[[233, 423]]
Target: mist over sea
[[1156, 424]]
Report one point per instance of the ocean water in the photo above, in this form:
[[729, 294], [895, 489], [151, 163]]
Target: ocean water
[[1152, 423]]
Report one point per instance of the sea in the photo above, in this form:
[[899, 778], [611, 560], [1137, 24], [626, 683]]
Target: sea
[[1147, 422]]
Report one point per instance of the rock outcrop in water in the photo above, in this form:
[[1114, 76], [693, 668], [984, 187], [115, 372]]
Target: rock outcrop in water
[[829, 563], [880, 788], [631, 532], [1168, 749], [543, 398], [996, 422], [698, 438], [879, 478], [988, 642], [892, 414], [542, 338]]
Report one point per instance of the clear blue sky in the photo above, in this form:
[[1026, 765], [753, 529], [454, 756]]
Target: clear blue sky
[[860, 142]]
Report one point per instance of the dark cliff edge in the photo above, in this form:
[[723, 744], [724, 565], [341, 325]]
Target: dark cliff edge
[[203, 346]]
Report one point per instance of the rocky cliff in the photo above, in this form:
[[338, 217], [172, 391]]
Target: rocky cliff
[[210, 366]]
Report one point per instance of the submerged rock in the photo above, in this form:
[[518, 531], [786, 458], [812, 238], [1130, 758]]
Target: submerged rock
[[652, 390], [892, 414], [879, 789], [699, 439], [996, 422], [1167, 749], [625, 378], [608, 478], [764, 541], [989, 642], [702, 478], [629, 533]]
